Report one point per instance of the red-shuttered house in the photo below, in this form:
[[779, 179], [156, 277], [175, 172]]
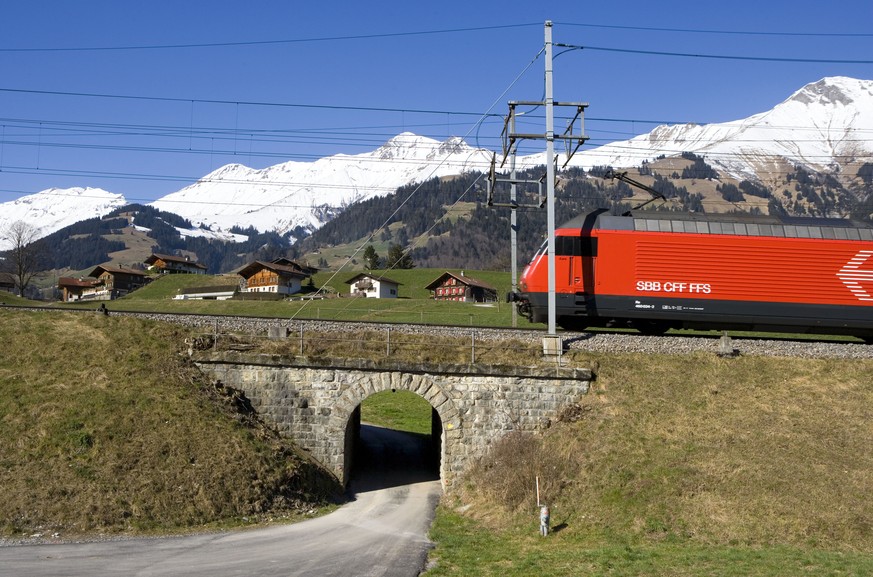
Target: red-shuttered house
[[460, 287]]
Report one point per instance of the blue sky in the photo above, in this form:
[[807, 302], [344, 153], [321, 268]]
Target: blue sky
[[143, 98]]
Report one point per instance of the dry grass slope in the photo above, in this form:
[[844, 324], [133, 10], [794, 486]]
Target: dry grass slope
[[105, 427], [697, 449]]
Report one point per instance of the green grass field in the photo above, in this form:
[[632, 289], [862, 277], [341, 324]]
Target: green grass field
[[401, 410], [414, 304]]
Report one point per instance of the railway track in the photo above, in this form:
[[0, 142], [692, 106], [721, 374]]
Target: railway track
[[595, 341]]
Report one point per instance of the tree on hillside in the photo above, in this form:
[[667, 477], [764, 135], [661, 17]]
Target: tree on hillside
[[23, 259], [398, 258], [371, 258]]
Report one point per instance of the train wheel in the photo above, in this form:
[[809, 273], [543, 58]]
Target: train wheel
[[649, 327]]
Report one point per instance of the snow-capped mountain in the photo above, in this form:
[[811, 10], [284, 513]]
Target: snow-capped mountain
[[821, 126], [308, 194], [55, 208]]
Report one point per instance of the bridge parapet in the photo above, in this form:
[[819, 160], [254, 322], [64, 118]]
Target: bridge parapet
[[315, 401]]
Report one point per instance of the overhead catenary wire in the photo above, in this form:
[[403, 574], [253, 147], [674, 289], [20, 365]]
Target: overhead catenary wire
[[418, 188]]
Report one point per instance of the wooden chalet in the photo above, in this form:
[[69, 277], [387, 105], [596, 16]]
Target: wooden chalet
[[76, 289], [270, 277], [372, 286], [114, 282], [7, 282], [169, 264], [459, 287]]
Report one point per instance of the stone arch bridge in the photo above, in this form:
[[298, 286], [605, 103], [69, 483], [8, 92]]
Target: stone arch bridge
[[316, 402]]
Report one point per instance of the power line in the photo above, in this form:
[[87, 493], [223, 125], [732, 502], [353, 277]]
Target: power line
[[716, 56], [272, 42], [236, 102], [722, 32]]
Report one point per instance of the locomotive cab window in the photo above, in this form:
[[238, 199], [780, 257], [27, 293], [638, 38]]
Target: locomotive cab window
[[575, 246]]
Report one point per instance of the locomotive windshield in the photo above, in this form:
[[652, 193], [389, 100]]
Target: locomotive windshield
[[541, 251]]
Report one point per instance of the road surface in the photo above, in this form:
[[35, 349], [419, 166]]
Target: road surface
[[381, 533]]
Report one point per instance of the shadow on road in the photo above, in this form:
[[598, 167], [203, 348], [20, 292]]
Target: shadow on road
[[386, 458]]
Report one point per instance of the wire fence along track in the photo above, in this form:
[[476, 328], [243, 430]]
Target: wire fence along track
[[483, 339], [387, 343]]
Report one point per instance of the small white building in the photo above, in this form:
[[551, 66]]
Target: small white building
[[215, 293], [372, 286]]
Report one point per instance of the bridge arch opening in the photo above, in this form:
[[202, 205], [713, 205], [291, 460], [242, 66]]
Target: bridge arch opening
[[393, 437]]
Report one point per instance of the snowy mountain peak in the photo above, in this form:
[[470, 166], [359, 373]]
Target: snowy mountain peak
[[406, 145], [307, 194], [819, 126], [55, 208], [833, 90]]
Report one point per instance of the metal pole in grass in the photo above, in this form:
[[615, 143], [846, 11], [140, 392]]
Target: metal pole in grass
[[545, 514], [301, 339], [388, 343], [472, 347], [538, 490]]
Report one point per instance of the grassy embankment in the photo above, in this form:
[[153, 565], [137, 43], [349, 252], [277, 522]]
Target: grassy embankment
[[104, 427], [681, 466], [672, 465]]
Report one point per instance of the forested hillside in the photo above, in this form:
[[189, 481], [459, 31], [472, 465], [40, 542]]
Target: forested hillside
[[425, 219], [447, 222]]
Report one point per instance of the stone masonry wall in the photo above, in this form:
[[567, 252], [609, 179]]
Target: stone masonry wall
[[312, 400]]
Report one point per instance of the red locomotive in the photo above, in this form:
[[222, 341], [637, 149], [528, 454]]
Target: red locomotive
[[654, 271]]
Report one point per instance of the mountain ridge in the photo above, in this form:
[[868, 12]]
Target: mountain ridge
[[823, 126]]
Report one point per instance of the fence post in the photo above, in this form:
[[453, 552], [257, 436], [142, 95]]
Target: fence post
[[472, 347], [215, 336], [388, 345], [301, 339]]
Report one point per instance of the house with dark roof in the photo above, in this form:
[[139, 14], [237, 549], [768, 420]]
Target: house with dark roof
[[460, 287], [299, 266], [270, 277], [7, 282], [76, 289], [114, 281], [169, 264], [373, 286]]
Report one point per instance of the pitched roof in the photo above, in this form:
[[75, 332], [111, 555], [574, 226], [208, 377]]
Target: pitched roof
[[7, 279], [253, 267], [114, 270], [462, 278], [372, 277], [66, 281], [293, 263], [171, 258]]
